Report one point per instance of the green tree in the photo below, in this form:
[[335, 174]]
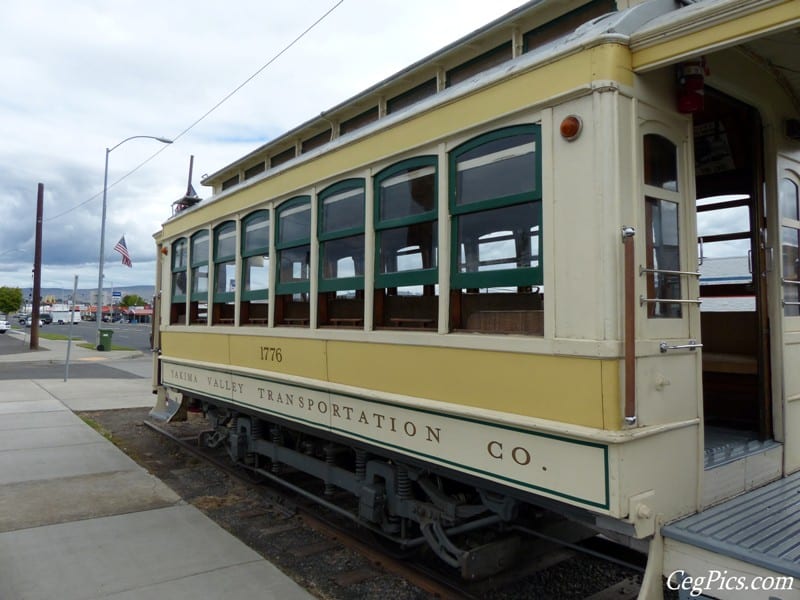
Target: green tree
[[10, 299], [132, 300]]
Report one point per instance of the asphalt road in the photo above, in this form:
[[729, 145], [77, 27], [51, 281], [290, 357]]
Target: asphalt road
[[116, 369], [127, 335]]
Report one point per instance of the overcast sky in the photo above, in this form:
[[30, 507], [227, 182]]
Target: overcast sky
[[81, 76]]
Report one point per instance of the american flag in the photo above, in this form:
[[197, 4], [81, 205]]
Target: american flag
[[123, 249]]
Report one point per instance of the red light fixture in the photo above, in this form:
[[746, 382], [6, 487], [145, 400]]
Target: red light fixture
[[691, 85], [571, 127]]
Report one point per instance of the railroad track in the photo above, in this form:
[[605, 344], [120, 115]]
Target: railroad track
[[552, 552]]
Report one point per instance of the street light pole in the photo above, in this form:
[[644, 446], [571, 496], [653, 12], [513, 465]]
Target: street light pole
[[99, 312]]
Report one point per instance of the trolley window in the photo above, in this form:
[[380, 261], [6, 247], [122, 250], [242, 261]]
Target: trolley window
[[179, 256], [178, 280], [224, 273], [790, 244], [662, 218], [255, 267], [224, 261], [406, 245], [293, 246], [496, 203], [255, 255], [198, 306], [341, 249], [341, 236]]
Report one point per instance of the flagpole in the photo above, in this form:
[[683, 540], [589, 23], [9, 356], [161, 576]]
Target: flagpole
[[101, 260]]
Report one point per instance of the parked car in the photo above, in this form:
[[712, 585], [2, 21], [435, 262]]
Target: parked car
[[27, 322], [3, 326]]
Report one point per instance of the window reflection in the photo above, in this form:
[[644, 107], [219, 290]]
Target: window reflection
[[179, 284], [200, 248], [295, 223], [790, 245], [408, 248], [504, 238], [408, 193], [660, 162], [663, 253], [256, 273], [497, 169], [200, 279], [343, 257], [225, 277], [294, 264], [226, 241], [343, 210]]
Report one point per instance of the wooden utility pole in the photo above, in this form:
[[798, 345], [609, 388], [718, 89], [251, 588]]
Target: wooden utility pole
[[37, 271]]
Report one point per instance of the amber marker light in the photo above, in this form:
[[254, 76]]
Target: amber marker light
[[571, 127]]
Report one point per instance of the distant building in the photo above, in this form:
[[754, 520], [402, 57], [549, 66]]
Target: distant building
[[139, 314], [725, 271]]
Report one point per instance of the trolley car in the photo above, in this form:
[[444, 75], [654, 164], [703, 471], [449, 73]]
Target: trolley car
[[487, 283]]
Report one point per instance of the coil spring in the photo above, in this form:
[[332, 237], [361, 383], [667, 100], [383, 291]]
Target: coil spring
[[403, 483], [276, 437], [330, 457], [257, 429], [361, 465]]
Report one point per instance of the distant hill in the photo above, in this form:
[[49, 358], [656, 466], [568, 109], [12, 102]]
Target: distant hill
[[84, 295]]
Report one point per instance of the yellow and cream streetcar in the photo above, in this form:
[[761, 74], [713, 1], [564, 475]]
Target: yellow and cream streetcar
[[498, 279]]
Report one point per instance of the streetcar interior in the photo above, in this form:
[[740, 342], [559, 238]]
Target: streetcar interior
[[732, 252]]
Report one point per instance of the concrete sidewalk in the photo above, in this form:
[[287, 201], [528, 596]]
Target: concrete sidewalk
[[79, 519]]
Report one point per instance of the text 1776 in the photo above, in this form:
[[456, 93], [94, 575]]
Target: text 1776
[[271, 354]]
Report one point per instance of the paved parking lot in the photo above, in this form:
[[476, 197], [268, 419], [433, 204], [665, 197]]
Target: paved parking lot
[[48, 362], [13, 343]]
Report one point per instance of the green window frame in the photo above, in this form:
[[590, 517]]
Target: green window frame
[[293, 238], [491, 180], [179, 256], [390, 220], [340, 231], [199, 266], [254, 247], [224, 260]]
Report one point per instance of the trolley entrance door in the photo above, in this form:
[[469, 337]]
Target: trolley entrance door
[[732, 238]]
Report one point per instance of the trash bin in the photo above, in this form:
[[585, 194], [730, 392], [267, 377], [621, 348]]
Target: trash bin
[[105, 339]]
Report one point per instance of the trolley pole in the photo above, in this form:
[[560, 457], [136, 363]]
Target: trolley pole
[[69, 331], [37, 270]]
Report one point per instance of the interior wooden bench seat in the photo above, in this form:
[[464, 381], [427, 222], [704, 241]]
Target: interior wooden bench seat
[[741, 364]]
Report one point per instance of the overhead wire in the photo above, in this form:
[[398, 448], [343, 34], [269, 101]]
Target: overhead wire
[[207, 113]]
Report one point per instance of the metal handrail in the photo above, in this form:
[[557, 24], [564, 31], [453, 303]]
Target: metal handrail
[[643, 300], [643, 270], [789, 302], [692, 345]]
